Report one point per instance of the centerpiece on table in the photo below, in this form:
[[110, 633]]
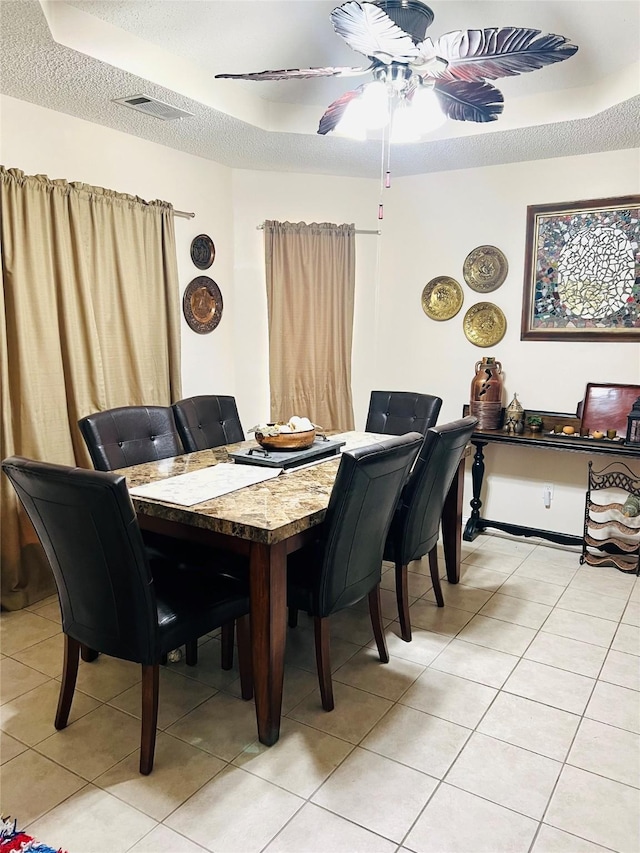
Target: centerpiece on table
[[294, 434]]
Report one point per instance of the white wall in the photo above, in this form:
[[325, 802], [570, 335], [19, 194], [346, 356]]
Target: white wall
[[438, 219], [431, 223]]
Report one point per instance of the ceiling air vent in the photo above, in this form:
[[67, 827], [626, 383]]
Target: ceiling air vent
[[152, 107]]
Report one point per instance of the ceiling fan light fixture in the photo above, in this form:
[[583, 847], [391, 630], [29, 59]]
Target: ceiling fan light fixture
[[426, 110], [352, 123], [375, 105], [459, 64], [411, 115], [404, 124], [396, 75]]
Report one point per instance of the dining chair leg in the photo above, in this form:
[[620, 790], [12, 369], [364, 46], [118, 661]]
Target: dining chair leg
[[244, 657], [435, 576], [88, 655], [323, 661], [293, 617], [150, 683], [402, 597], [226, 649], [191, 653], [375, 613], [68, 685]]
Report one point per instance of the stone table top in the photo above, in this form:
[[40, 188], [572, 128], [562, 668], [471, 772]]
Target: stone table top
[[267, 512]]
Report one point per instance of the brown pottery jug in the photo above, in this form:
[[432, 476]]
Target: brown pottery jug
[[486, 393]]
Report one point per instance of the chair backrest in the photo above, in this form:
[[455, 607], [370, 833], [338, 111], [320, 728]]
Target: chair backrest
[[88, 529], [416, 524], [364, 496], [397, 412], [130, 435], [208, 421]]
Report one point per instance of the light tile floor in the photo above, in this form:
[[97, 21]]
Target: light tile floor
[[510, 723]]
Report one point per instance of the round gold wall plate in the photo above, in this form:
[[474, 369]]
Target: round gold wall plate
[[442, 298], [485, 269], [202, 304], [484, 324]]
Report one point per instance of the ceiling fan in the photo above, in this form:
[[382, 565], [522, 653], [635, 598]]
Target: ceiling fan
[[405, 65]]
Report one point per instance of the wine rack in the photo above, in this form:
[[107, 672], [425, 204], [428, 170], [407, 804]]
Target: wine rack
[[611, 538]]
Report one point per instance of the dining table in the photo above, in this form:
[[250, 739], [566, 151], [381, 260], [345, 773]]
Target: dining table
[[264, 523]]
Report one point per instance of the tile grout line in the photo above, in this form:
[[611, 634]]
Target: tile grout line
[[397, 701]]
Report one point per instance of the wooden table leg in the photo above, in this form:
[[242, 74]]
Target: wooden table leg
[[474, 523], [452, 525], [268, 578]]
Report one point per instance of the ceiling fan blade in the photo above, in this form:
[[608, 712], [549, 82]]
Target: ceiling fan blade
[[474, 101], [428, 63], [369, 30], [499, 52], [335, 111], [297, 73]]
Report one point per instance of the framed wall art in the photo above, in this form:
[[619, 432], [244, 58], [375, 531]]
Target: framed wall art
[[582, 271]]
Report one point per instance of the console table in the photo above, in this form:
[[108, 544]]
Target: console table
[[537, 441]]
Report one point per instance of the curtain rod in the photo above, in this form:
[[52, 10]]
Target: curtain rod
[[357, 230], [183, 214]]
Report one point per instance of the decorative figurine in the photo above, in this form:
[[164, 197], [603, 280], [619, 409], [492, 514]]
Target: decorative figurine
[[514, 417]]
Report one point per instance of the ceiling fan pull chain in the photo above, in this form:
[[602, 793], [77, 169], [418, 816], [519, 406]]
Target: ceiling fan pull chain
[[386, 136], [385, 175]]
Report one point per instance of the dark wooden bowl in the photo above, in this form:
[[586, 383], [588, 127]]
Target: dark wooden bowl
[[287, 440]]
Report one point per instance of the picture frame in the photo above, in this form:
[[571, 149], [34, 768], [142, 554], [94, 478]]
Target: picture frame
[[582, 271]]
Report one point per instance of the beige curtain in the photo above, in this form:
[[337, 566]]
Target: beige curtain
[[310, 292], [89, 320]]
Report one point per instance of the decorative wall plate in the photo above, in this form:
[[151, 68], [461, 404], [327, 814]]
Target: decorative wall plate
[[485, 269], [484, 324], [442, 298], [202, 304], [203, 252]]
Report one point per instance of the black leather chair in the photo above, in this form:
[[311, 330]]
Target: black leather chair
[[112, 597], [416, 522], [397, 412], [129, 435], [344, 564], [208, 421]]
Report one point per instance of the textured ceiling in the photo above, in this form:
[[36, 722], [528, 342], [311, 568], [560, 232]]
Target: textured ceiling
[[195, 40]]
